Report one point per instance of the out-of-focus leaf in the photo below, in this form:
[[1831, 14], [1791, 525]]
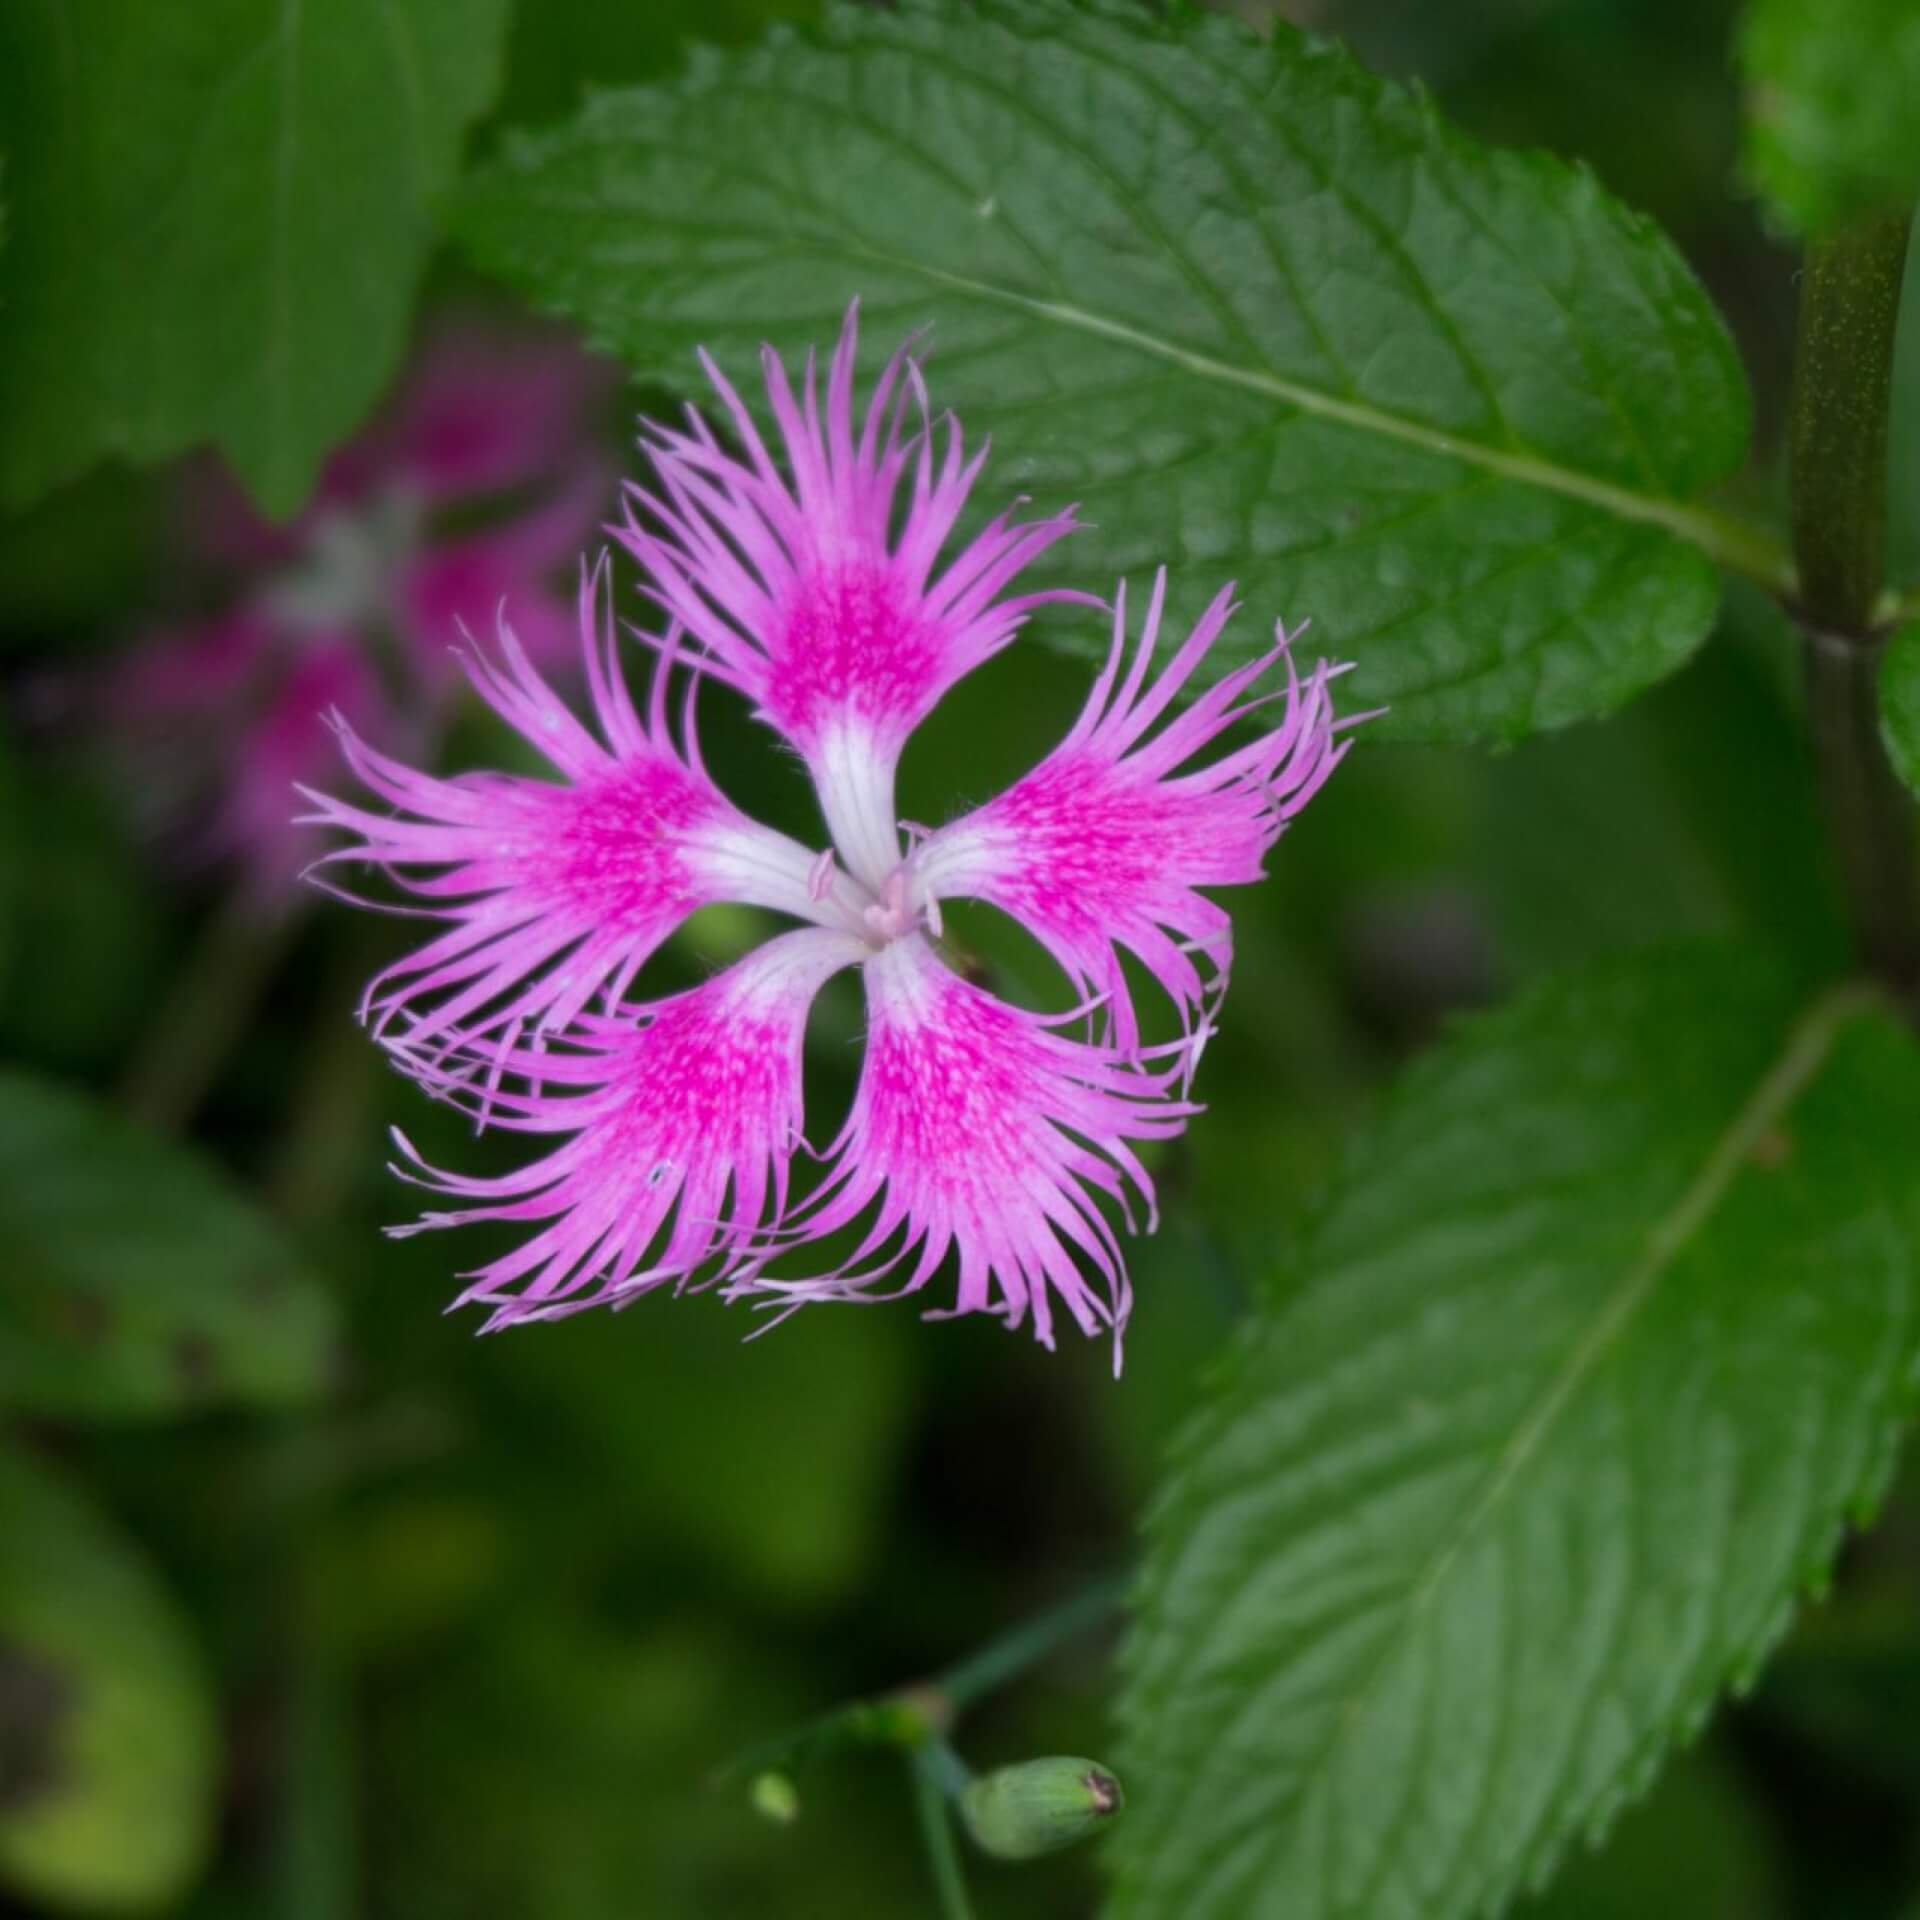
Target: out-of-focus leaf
[[219, 213], [563, 1769], [1262, 314], [1832, 131], [1609, 1324], [107, 1737], [783, 1446], [390, 1574], [137, 1282], [1900, 703]]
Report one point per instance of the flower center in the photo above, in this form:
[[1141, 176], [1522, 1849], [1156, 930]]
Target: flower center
[[891, 915]]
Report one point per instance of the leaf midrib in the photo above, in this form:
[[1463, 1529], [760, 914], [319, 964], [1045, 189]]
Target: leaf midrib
[[1732, 543], [1809, 1042], [1736, 544]]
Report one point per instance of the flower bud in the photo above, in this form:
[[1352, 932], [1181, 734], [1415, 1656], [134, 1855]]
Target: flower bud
[[774, 1797], [1039, 1806]]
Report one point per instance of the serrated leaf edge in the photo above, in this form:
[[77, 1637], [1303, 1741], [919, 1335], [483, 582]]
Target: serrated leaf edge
[[1808, 1045]]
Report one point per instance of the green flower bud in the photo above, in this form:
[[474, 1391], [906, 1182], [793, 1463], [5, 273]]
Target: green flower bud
[[775, 1798], [1039, 1806]]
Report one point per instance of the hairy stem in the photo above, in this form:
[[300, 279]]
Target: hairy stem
[[1842, 375], [1843, 366]]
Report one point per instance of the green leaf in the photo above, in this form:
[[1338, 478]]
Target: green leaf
[[1831, 128], [107, 1736], [138, 1282], [1609, 1324], [1263, 315], [1900, 703], [218, 218]]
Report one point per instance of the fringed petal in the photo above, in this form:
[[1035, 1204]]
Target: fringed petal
[[818, 592], [555, 894], [683, 1115], [1104, 844], [978, 1128]]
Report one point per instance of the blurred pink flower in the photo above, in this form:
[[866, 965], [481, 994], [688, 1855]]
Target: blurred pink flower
[[476, 486], [977, 1127]]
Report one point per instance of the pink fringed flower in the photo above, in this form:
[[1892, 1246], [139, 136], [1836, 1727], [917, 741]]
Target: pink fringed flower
[[351, 605], [1005, 1137], [842, 636]]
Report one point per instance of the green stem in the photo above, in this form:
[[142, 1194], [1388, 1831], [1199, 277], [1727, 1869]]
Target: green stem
[[1029, 1643], [318, 1855], [900, 1719], [913, 1716], [936, 1831], [1869, 813], [1842, 378], [1843, 367]]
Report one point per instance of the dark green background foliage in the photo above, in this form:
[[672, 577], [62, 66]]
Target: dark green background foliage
[[1535, 1309]]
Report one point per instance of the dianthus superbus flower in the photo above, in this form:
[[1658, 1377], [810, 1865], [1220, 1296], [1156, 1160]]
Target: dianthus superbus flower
[[825, 585]]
